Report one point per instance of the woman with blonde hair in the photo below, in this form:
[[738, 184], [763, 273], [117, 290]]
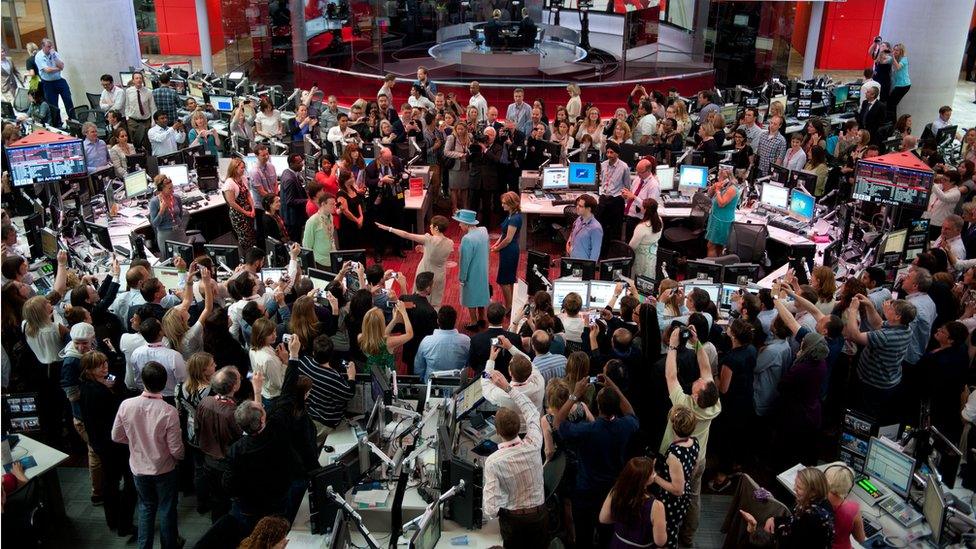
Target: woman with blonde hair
[[825, 283], [507, 246], [681, 458], [621, 133], [847, 513], [592, 127], [237, 195], [459, 170], [201, 134], [377, 341], [681, 116], [44, 336], [200, 368], [267, 360], [437, 248], [812, 521], [575, 104]]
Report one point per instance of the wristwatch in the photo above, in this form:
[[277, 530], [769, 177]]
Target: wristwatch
[[574, 398]]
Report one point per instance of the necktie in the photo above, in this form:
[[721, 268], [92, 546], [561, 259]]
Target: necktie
[[142, 111], [636, 194]]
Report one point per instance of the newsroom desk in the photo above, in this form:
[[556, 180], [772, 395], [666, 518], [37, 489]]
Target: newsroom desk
[[45, 472]]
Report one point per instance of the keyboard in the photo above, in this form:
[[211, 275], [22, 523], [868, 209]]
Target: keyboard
[[870, 528], [122, 250], [788, 224], [672, 201], [904, 513], [192, 199], [562, 202]]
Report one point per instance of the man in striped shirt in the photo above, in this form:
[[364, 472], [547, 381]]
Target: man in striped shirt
[[331, 389], [549, 365], [513, 474], [879, 370]]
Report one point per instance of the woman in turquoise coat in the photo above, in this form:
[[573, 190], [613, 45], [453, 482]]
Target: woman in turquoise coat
[[725, 199], [473, 264]]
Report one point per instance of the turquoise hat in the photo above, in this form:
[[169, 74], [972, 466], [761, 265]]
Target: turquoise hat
[[468, 217]]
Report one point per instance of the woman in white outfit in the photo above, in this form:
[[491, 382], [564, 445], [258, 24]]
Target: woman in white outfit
[[645, 239]]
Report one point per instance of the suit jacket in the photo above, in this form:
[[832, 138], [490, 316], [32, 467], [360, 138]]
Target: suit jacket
[[423, 318], [527, 32], [872, 119], [492, 33], [481, 346], [386, 193], [294, 196], [969, 240]]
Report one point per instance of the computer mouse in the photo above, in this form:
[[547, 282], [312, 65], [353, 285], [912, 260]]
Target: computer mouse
[[880, 542], [328, 449]]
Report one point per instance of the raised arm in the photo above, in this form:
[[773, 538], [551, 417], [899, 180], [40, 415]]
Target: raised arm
[[874, 318], [393, 342], [783, 310], [852, 328], [671, 362], [61, 277]]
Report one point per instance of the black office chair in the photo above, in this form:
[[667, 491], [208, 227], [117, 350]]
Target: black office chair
[[564, 228], [94, 99], [688, 236], [617, 248], [748, 241], [552, 475]]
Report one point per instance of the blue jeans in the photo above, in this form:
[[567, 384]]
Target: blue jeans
[[54, 89], [157, 493]]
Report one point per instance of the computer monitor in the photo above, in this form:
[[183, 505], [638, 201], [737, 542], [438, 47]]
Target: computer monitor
[[582, 174], [665, 178], [222, 253], [667, 264], [729, 113], [171, 159], [854, 91], [21, 413], [713, 290], [692, 178], [800, 179], [704, 270], [890, 466], [555, 178], [893, 242], [934, 507], [467, 399], [99, 233], [774, 196], [601, 292], [181, 249], [280, 163], [136, 184], [613, 268], [584, 269], [780, 174], [177, 173], [562, 288], [222, 103], [49, 244], [632, 154], [740, 274], [802, 205], [125, 78], [430, 530], [840, 96], [728, 290], [945, 136], [136, 162], [46, 162], [194, 88]]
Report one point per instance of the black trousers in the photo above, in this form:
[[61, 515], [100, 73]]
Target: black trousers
[[119, 504], [219, 500], [610, 214], [520, 529], [895, 97]]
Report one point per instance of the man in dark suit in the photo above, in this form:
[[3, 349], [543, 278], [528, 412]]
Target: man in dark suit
[[527, 30], [969, 231], [493, 30], [872, 115], [294, 196], [481, 342], [387, 198], [422, 315]]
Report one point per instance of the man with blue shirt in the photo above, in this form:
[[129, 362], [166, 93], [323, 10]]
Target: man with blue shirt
[[874, 279], [916, 286], [614, 178], [96, 152], [49, 66], [520, 112], [586, 237], [443, 350], [551, 366]]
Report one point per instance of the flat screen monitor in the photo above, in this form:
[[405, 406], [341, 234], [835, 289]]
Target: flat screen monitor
[[802, 205], [707, 271], [236, 75], [780, 174], [49, 244], [713, 290], [222, 253], [99, 233], [612, 269], [562, 288], [854, 91], [306, 258], [774, 196], [136, 184], [840, 96], [632, 154], [729, 113], [692, 178], [177, 173], [222, 103], [582, 174], [894, 242], [181, 249], [601, 292], [280, 163], [885, 184], [803, 180], [468, 398], [430, 530], [934, 506], [740, 274], [584, 269], [20, 409], [46, 162], [890, 466], [555, 178], [194, 88], [125, 78], [665, 178], [171, 159], [135, 162], [728, 290]]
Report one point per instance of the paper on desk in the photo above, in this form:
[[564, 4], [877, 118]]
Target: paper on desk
[[305, 540], [788, 477], [119, 231], [131, 212], [371, 497]]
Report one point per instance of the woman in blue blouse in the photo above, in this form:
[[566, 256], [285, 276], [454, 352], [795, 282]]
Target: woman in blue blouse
[[200, 134], [507, 246], [900, 81], [166, 214], [725, 198]]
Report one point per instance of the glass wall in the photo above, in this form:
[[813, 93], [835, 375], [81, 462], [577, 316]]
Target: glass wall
[[749, 42], [24, 21]]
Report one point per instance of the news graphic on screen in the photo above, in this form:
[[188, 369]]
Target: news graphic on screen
[[46, 162], [885, 184], [581, 173]]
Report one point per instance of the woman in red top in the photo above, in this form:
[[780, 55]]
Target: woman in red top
[[325, 182], [847, 513]]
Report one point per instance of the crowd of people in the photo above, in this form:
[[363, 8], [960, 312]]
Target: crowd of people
[[226, 389]]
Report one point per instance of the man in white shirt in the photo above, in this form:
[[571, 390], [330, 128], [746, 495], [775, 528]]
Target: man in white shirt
[[156, 351], [753, 131], [526, 378], [951, 237], [113, 97], [165, 139], [646, 126], [387, 89], [945, 113], [132, 297], [869, 82], [514, 487], [139, 108], [478, 101], [644, 185], [342, 134], [942, 202]]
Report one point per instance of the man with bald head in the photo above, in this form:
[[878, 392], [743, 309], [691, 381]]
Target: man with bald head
[[387, 198], [644, 185], [478, 101], [551, 366]]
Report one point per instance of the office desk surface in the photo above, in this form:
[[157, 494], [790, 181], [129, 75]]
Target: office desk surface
[[47, 458]]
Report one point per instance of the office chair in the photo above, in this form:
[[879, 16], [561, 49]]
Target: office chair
[[688, 236], [566, 226], [748, 241], [22, 100], [617, 248], [552, 475], [93, 100]]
